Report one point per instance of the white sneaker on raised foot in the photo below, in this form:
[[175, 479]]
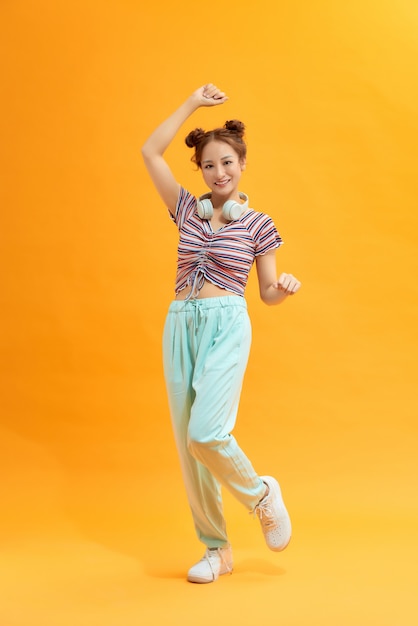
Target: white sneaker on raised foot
[[215, 562], [274, 519]]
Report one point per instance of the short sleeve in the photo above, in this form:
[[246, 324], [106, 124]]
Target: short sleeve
[[266, 236], [186, 206]]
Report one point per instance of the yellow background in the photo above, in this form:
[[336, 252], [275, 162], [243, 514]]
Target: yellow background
[[94, 526]]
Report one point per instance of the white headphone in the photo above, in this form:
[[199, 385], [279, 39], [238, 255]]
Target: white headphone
[[231, 210]]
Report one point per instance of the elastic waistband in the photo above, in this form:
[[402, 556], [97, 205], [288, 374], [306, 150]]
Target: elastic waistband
[[207, 303]]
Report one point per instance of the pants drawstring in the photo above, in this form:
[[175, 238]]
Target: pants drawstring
[[198, 312]]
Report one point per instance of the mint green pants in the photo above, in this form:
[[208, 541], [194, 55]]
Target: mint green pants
[[206, 346]]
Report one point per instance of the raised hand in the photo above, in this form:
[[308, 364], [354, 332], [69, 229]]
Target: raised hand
[[209, 95]]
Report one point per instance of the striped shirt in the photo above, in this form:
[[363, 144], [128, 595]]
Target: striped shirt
[[223, 257]]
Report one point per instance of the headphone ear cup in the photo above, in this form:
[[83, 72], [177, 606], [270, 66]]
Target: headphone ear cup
[[205, 208], [232, 210]]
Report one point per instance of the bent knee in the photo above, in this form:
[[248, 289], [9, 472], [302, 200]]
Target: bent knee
[[198, 442]]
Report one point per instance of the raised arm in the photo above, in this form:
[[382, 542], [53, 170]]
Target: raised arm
[[155, 146]]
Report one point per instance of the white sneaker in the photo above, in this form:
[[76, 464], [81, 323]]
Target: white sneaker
[[274, 519], [215, 562]]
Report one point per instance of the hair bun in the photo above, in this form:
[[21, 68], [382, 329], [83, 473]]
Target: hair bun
[[235, 126], [194, 137]]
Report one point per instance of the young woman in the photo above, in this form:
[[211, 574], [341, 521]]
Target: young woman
[[207, 333]]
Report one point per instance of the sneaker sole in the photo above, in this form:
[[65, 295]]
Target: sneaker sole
[[203, 581]]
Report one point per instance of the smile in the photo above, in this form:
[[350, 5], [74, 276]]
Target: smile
[[222, 183]]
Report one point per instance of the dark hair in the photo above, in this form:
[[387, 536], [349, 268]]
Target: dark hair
[[232, 132]]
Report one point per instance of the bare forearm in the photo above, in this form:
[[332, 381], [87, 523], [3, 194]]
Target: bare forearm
[[273, 296], [208, 95], [163, 135], [276, 292]]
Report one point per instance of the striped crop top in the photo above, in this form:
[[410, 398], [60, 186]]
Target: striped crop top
[[223, 257]]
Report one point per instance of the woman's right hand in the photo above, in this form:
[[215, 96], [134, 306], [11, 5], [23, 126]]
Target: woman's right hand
[[209, 95]]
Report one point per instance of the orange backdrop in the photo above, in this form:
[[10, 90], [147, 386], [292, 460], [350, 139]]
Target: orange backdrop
[[95, 526]]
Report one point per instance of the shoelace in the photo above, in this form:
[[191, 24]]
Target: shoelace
[[264, 512], [211, 555]]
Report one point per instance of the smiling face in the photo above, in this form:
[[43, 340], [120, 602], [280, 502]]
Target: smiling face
[[221, 169]]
